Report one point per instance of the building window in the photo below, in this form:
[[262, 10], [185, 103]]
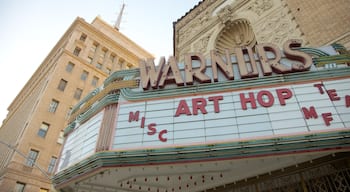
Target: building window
[[32, 156], [60, 138], [83, 37], [103, 53], [52, 164], [84, 75], [112, 58], [68, 113], [94, 81], [94, 47], [76, 51], [62, 85], [43, 129], [121, 64], [53, 106], [69, 67], [78, 93], [20, 187], [98, 65], [90, 59]]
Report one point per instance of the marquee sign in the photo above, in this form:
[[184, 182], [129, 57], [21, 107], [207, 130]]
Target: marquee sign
[[247, 114], [210, 115], [171, 73]]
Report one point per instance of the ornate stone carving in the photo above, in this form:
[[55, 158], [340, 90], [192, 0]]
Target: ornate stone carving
[[182, 53], [276, 28], [235, 34], [201, 45], [226, 14], [260, 6], [186, 33]]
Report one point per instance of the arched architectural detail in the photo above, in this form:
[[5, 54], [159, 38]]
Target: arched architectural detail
[[235, 34]]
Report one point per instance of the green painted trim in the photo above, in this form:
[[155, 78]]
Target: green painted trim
[[107, 100], [230, 150], [313, 51], [338, 47], [321, 61], [85, 99], [274, 80], [119, 75]]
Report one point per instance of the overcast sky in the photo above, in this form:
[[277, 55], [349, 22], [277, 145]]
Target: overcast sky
[[31, 28]]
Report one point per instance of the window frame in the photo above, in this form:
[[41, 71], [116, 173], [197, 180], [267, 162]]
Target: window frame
[[20, 186], [53, 105], [94, 81], [42, 130], [52, 164], [77, 51], [98, 65], [83, 37], [94, 46], [84, 75], [32, 157], [70, 67], [62, 85], [112, 57], [77, 93], [60, 138]]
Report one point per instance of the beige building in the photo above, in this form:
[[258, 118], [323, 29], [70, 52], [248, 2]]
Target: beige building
[[224, 24], [32, 134], [272, 115]]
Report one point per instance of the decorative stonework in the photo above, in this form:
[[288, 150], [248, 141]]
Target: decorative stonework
[[226, 14], [202, 44], [260, 6], [276, 28], [190, 16], [183, 52], [235, 34], [194, 28]]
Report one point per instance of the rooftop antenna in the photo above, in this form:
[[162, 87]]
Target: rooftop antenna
[[119, 19]]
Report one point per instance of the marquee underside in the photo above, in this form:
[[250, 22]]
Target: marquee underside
[[192, 176]]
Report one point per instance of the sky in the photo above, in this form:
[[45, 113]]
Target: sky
[[31, 28]]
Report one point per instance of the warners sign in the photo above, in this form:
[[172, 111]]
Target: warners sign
[[171, 73]]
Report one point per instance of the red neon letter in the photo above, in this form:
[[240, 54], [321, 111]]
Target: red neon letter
[[152, 129], [215, 100], [332, 94], [347, 100], [143, 122], [283, 94], [160, 135], [134, 117], [182, 109], [269, 101], [319, 86], [199, 103], [250, 99], [309, 113], [327, 118]]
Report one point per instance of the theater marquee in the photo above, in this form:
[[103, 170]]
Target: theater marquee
[[231, 98], [237, 115]]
